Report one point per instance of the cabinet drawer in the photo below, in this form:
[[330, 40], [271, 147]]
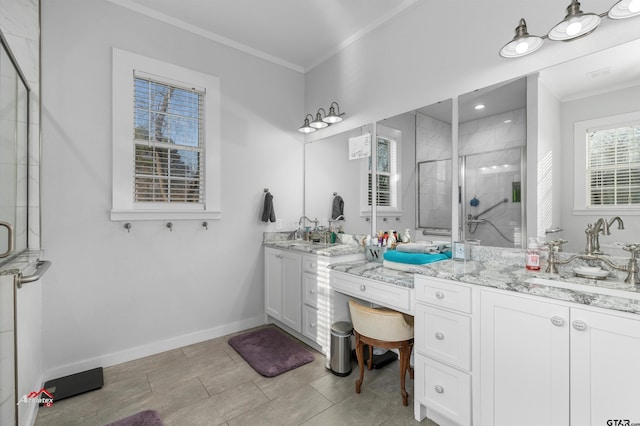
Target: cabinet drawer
[[310, 322], [310, 289], [310, 263], [443, 389], [389, 295], [443, 335], [443, 293]]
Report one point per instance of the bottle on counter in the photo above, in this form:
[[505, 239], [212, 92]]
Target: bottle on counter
[[407, 237], [532, 255]]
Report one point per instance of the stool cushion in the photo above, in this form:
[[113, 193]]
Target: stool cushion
[[380, 323]]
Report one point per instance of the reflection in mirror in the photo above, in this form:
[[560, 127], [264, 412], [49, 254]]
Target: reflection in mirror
[[492, 144], [330, 173], [433, 159], [396, 176], [592, 93]]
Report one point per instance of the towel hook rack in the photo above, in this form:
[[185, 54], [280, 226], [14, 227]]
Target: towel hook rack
[[205, 225], [170, 226], [127, 226]]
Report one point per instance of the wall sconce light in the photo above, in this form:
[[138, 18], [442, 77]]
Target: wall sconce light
[[319, 123], [306, 127], [322, 119], [575, 24]]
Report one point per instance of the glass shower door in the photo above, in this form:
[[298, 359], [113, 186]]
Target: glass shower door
[[13, 156], [491, 201]]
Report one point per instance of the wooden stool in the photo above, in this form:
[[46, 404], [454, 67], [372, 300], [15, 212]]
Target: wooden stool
[[382, 328]]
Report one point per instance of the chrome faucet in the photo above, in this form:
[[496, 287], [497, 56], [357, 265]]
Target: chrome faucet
[[601, 226], [303, 222]]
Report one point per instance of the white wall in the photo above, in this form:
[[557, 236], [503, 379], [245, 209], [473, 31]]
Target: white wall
[[613, 103], [111, 295]]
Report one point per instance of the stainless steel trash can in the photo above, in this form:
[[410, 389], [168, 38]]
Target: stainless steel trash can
[[341, 348]]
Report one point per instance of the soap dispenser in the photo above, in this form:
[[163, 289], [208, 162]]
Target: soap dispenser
[[532, 255], [406, 238]]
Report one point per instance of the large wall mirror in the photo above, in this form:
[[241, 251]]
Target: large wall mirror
[[492, 141], [329, 173], [590, 107]]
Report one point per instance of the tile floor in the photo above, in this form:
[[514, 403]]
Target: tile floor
[[210, 384]]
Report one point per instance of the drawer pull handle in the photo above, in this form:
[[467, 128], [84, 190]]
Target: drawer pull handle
[[279, 256], [439, 295], [579, 325], [363, 287], [439, 389], [439, 336], [313, 325], [557, 321], [312, 291]]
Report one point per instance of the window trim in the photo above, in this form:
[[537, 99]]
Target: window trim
[[123, 205], [580, 129]]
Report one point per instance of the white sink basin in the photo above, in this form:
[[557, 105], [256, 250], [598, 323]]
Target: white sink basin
[[608, 288]]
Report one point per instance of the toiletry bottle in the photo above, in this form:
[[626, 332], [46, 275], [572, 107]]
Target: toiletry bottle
[[532, 256], [407, 237], [391, 241]]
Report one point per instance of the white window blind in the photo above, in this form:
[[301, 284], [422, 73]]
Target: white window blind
[[387, 160], [613, 166], [168, 138]]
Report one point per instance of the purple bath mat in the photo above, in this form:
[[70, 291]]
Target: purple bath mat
[[143, 418], [270, 352]]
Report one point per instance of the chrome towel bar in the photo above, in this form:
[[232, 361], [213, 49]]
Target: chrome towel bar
[[41, 268]]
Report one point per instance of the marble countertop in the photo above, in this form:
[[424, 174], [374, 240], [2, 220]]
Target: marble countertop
[[316, 248], [511, 276]]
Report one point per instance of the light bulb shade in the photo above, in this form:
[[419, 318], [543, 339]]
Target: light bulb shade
[[522, 44], [625, 9], [576, 24], [306, 128], [318, 123], [332, 117]]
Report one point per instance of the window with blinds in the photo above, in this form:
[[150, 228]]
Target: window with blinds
[[168, 138], [387, 163], [613, 166]]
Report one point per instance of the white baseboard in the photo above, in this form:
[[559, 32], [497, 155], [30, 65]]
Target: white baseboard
[[153, 348], [27, 417]]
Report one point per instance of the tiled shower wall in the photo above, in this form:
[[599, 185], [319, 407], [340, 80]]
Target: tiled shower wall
[[20, 24]]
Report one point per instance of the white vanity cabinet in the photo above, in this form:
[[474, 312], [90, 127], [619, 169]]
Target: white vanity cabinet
[[524, 367], [298, 294], [442, 357], [283, 287], [556, 363]]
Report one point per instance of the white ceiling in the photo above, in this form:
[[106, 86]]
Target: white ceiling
[[298, 34]]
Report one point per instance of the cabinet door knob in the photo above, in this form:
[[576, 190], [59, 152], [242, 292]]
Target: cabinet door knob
[[439, 295], [279, 256], [579, 325], [439, 389], [312, 291], [439, 336], [557, 321], [362, 287], [313, 325]]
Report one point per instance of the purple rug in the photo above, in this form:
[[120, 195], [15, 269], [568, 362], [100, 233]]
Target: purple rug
[[143, 418], [270, 352]]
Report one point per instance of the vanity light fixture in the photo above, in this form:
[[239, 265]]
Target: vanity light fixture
[[321, 122], [575, 24], [318, 123], [332, 117], [306, 127]]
